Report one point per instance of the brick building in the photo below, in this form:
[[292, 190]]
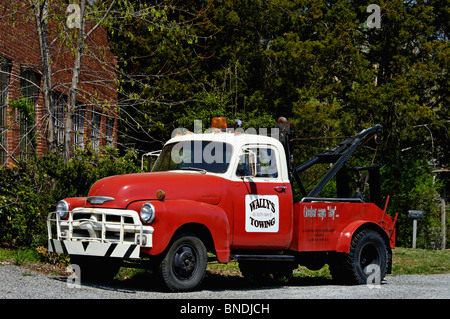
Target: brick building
[[23, 119]]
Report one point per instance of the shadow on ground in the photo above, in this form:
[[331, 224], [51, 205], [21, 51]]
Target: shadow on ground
[[215, 281]]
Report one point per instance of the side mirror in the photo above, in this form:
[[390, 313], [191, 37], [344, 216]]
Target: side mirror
[[250, 163], [149, 156]]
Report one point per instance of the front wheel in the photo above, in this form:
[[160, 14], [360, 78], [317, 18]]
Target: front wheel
[[184, 265], [366, 262]]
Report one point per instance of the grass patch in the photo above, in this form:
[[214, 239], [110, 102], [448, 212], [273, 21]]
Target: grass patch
[[302, 272], [230, 269], [38, 259], [19, 256], [408, 261], [6, 254]]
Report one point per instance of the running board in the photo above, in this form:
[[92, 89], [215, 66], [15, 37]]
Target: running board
[[264, 257]]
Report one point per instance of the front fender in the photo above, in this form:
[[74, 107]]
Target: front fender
[[75, 202], [172, 214]]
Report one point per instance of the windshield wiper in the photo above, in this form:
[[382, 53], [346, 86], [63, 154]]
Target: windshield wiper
[[203, 171]]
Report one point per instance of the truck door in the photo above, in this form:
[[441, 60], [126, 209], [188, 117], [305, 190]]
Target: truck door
[[262, 203]]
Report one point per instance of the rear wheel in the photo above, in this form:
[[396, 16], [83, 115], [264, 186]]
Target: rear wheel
[[366, 262], [184, 265]]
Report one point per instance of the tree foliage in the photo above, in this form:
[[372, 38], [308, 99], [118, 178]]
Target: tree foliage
[[31, 189], [316, 62], [319, 64]]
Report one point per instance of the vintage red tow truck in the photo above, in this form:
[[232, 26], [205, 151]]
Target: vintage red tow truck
[[230, 194]]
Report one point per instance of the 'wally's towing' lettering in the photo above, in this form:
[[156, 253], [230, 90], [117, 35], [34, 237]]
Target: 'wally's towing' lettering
[[262, 203]]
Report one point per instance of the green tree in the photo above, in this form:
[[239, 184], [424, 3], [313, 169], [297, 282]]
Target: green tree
[[316, 62], [159, 59]]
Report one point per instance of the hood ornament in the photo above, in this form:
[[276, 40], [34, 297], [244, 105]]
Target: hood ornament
[[99, 200]]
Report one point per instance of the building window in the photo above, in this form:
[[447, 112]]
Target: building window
[[110, 131], [29, 87], [78, 127], [5, 72], [95, 131], [59, 102]]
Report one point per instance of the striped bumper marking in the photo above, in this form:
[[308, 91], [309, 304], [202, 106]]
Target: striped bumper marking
[[94, 248]]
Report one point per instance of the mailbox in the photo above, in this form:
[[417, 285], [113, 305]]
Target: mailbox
[[415, 214]]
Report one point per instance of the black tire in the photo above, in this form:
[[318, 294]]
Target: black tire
[[366, 262], [96, 269], [184, 265]]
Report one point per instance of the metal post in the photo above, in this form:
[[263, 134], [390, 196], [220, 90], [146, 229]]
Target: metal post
[[443, 224], [414, 215]]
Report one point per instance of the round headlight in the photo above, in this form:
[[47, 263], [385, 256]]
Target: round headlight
[[147, 213], [62, 208]]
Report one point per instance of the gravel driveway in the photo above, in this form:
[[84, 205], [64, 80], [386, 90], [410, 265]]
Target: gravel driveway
[[20, 283]]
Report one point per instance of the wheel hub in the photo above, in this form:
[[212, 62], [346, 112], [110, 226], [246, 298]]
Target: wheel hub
[[184, 262], [187, 261]]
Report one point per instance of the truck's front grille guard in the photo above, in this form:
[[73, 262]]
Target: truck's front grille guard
[[70, 221]]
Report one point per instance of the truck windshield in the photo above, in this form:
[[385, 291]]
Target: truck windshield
[[203, 156]]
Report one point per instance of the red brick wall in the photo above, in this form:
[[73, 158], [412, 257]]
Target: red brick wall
[[19, 44]]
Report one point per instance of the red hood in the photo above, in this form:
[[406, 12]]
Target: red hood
[[143, 186]]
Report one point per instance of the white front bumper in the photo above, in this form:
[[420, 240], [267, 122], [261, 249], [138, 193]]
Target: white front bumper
[[98, 232]]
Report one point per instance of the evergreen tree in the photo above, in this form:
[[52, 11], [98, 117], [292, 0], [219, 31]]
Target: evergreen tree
[[319, 63]]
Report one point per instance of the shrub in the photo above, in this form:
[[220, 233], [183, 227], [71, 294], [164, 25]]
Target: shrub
[[30, 190]]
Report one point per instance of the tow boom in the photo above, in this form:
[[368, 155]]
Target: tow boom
[[337, 156]]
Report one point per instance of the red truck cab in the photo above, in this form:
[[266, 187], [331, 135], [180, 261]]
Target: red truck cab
[[226, 193]]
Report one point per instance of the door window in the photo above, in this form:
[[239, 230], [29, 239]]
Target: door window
[[266, 163]]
